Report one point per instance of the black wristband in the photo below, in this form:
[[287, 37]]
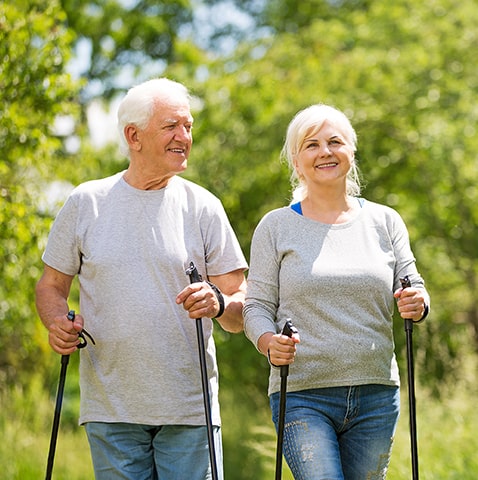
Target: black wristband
[[425, 313], [220, 298]]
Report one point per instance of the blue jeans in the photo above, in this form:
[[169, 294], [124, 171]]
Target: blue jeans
[[339, 433], [125, 451]]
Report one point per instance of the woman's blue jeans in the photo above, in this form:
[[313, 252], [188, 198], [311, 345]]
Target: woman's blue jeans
[[125, 451], [339, 433]]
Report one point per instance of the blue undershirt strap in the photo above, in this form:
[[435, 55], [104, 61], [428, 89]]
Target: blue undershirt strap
[[297, 207]]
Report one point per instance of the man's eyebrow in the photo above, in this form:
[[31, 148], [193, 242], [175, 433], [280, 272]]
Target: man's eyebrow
[[174, 120]]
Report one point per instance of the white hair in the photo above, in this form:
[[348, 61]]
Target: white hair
[[306, 122], [138, 105]]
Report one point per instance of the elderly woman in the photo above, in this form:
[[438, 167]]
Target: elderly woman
[[332, 262]]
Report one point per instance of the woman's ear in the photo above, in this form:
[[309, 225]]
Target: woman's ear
[[295, 163]]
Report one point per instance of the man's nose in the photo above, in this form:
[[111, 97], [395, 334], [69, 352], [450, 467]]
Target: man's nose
[[183, 133]]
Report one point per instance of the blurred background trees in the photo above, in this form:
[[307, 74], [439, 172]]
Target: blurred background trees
[[405, 72]]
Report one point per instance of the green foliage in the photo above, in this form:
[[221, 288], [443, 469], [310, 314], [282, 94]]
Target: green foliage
[[249, 437], [404, 73], [125, 36], [34, 93], [292, 16], [25, 427]]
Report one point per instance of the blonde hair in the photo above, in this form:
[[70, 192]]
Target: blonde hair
[[307, 122]]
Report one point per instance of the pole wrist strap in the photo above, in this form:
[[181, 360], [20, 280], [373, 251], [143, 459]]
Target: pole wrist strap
[[220, 298]]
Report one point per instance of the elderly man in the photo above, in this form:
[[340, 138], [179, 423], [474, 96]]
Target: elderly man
[[130, 238]]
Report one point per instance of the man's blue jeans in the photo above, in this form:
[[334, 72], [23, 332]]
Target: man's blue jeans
[[125, 451], [339, 433]]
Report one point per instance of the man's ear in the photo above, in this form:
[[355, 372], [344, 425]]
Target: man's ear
[[131, 136]]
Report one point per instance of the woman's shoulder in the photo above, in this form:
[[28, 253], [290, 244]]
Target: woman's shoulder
[[380, 208], [384, 215], [276, 221], [277, 214]]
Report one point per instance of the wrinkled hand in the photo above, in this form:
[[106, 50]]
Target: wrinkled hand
[[63, 334], [410, 302], [199, 300]]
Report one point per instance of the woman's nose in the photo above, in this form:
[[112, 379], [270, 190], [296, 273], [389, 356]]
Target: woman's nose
[[324, 150]]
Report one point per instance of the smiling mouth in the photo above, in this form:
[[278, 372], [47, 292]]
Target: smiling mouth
[[177, 150], [327, 165]]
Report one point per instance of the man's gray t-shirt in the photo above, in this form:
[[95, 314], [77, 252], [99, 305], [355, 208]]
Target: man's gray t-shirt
[[130, 249]]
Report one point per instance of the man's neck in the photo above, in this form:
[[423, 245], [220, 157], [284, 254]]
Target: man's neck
[[146, 182]]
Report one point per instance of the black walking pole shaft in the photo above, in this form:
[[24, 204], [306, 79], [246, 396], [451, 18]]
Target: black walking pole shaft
[[411, 389], [195, 277], [56, 418], [288, 330], [284, 372], [206, 398], [411, 398]]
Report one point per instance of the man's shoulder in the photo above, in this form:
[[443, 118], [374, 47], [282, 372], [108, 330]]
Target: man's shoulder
[[193, 188], [97, 186]]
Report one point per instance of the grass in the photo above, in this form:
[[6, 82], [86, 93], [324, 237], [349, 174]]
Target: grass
[[25, 427], [447, 442]]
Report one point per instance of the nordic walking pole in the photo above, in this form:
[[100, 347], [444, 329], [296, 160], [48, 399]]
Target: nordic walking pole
[[411, 388], [194, 277], [59, 398], [288, 330]]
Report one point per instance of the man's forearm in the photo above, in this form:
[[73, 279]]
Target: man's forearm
[[49, 305], [232, 320], [51, 295]]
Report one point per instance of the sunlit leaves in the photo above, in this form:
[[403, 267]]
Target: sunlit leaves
[[405, 73], [125, 37], [34, 47]]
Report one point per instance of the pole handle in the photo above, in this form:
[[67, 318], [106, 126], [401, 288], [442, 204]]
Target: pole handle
[[194, 275], [288, 330], [405, 281]]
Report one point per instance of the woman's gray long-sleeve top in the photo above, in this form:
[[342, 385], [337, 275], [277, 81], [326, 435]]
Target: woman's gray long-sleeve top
[[336, 283]]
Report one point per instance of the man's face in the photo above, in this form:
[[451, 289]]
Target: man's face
[[167, 139]]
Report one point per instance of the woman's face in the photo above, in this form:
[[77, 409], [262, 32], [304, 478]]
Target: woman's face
[[325, 157]]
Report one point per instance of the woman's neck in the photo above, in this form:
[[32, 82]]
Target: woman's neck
[[329, 209]]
